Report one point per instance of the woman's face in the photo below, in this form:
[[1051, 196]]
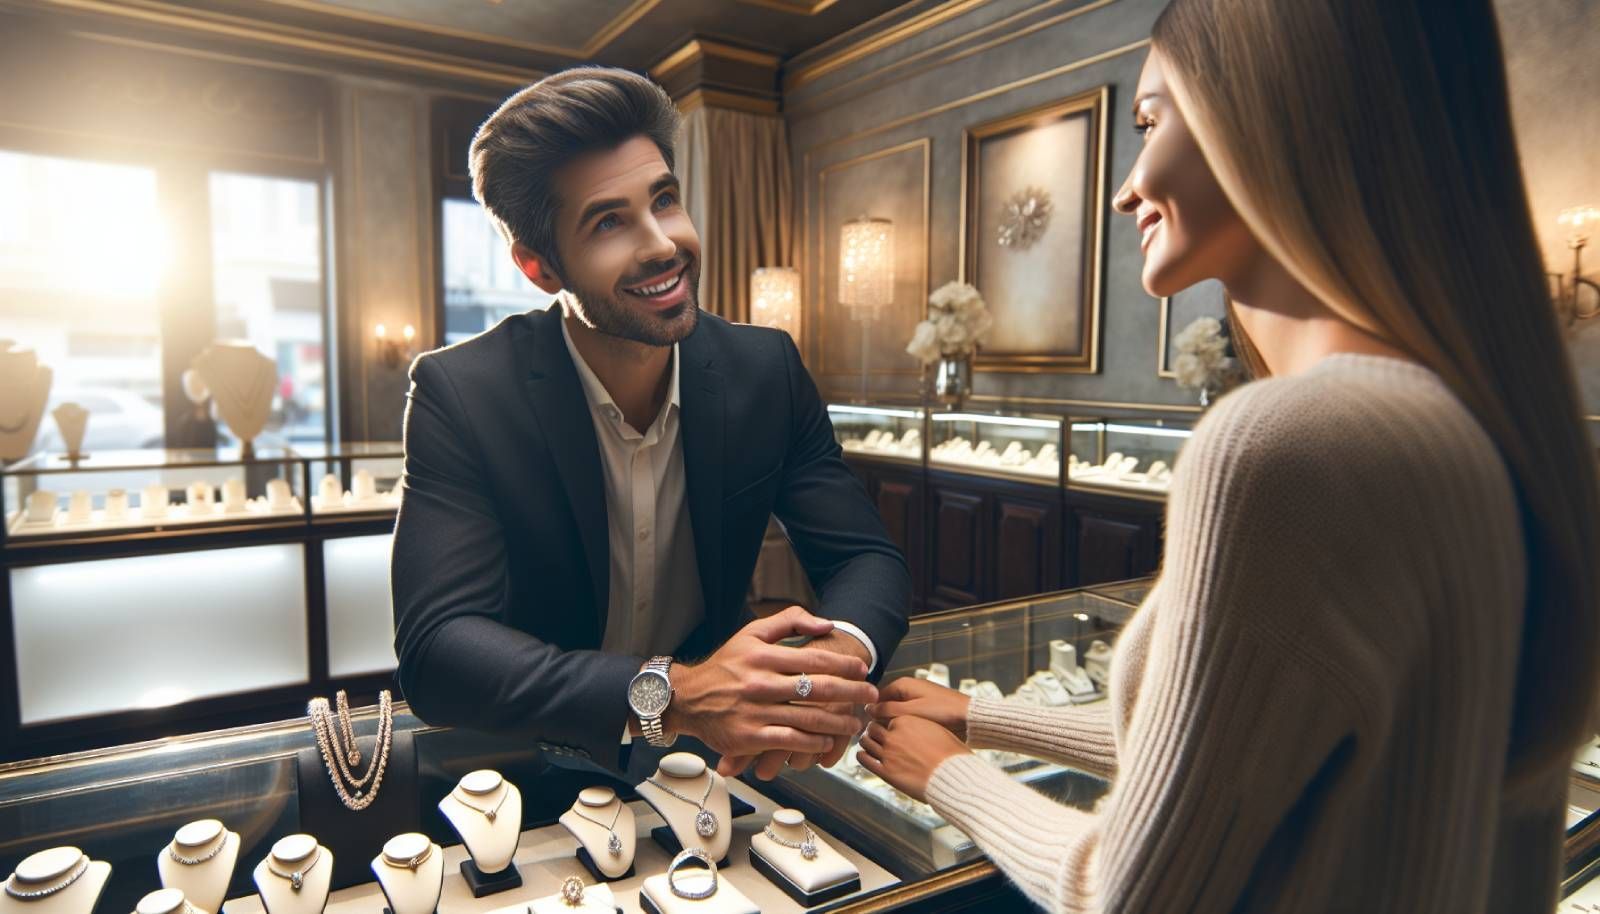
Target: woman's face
[[1188, 231]]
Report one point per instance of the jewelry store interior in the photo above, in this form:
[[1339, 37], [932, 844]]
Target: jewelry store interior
[[227, 228]]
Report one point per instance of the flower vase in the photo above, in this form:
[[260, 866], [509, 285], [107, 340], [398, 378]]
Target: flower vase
[[952, 380]]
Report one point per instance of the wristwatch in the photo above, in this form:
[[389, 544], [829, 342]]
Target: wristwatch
[[649, 693]]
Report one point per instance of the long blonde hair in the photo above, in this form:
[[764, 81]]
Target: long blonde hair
[[1368, 145]]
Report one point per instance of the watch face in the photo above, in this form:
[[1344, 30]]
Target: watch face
[[649, 694]]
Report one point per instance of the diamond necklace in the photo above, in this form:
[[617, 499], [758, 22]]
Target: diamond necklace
[[297, 878], [807, 847], [705, 822], [322, 725], [172, 851], [613, 843], [78, 869], [487, 813], [410, 863]]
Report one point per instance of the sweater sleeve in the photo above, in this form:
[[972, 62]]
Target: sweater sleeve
[[1238, 731], [1076, 735]]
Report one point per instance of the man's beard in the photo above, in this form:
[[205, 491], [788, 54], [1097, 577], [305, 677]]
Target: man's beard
[[613, 316]]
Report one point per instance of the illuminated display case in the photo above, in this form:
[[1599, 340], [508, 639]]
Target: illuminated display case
[[1127, 456], [1020, 447], [882, 432], [1053, 649], [231, 597]]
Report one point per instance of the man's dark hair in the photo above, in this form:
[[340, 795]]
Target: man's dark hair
[[545, 126]]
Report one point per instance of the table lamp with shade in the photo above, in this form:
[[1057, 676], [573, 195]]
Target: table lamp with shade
[[866, 276]]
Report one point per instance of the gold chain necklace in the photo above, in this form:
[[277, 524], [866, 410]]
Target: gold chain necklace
[[322, 725]]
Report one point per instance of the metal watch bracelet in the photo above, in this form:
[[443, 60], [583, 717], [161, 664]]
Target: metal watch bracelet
[[654, 733]]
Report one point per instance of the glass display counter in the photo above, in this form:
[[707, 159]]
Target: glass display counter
[[1126, 456], [50, 498], [1019, 447], [885, 432]]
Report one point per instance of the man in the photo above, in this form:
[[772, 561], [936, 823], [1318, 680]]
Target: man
[[586, 488]]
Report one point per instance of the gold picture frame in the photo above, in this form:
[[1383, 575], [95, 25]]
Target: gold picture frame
[[1032, 333]]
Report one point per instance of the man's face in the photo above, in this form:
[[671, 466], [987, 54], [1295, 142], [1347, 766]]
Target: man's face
[[630, 256]]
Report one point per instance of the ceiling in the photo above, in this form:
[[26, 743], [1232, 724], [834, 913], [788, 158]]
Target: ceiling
[[505, 39]]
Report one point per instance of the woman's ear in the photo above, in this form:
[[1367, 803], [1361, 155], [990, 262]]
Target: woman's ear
[[535, 268]]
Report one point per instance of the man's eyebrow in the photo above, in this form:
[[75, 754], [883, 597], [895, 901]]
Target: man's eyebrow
[[598, 207]]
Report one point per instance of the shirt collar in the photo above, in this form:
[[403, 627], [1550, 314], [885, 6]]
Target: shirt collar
[[596, 393]]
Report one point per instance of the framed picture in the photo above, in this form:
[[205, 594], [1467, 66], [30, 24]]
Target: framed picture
[[1206, 299], [1033, 215], [891, 184]]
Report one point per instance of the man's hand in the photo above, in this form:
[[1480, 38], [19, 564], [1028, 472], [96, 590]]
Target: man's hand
[[738, 701], [771, 762]]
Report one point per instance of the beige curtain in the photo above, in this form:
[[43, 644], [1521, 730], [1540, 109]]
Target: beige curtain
[[734, 168]]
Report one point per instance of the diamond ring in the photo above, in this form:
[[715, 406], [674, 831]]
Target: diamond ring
[[684, 856], [802, 686], [572, 891]]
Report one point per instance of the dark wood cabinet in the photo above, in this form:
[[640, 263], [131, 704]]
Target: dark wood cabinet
[[960, 547], [1111, 538], [1028, 554]]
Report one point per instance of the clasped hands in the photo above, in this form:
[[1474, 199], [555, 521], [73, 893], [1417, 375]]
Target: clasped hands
[[742, 701]]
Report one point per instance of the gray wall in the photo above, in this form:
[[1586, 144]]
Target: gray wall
[[1005, 56]]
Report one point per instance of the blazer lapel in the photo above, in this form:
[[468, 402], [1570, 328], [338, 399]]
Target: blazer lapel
[[700, 391], [568, 430]]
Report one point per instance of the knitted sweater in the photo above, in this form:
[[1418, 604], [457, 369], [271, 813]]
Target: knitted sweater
[[1311, 710]]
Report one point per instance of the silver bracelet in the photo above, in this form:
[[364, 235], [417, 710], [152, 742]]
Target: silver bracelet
[[684, 856]]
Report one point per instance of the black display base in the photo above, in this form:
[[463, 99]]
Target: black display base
[[738, 807], [482, 883], [388, 911], [669, 842], [801, 897], [588, 864], [648, 905]]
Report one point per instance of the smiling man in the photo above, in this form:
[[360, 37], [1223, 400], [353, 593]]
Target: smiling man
[[586, 488]]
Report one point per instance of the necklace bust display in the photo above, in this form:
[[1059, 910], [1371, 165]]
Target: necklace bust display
[[295, 876], [61, 880], [199, 861], [694, 802], [24, 389], [240, 381], [604, 827]]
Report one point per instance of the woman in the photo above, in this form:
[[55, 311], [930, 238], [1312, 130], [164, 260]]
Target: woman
[[1359, 680]]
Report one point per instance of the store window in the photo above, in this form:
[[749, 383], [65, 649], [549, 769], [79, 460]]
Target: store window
[[83, 252], [267, 265], [481, 283]]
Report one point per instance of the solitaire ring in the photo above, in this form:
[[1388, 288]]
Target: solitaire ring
[[684, 856], [802, 686], [572, 891]]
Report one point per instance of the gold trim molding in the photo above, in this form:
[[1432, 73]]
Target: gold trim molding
[[696, 49], [798, 7], [733, 101], [810, 72]]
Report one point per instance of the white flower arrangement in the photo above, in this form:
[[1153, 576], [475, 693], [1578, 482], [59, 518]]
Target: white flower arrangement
[[957, 321], [1203, 362]]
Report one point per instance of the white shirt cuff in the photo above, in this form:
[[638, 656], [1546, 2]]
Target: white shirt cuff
[[854, 631]]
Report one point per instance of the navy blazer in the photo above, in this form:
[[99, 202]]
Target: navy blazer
[[501, 551]]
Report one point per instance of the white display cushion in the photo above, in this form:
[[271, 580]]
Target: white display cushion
[[597, 899], [827, 870], [657, 896]]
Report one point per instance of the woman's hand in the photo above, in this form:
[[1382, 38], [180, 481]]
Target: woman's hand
[[906, 751], [920, 698]]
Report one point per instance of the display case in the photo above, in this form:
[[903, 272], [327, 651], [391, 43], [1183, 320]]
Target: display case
[[153, 590], [1127, 456], [879, 432], [1022, 447], [1053, 649]]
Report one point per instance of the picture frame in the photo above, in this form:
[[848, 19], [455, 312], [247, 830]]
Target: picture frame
[[1206, 299], [1046, 292]]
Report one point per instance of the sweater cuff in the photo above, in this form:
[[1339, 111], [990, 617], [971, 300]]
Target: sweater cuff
[[1076, 735]]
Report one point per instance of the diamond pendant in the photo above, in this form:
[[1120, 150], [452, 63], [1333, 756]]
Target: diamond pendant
[[808, 850], [614, 845], [355, 757], [296, 880], [705, 823], [490, 815]]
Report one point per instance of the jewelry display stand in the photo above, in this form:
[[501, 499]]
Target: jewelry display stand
[[61, 880], [296, 876], [693, 800], [356, 837], [1064, 664], [200, 862], [485, 809], [810, 881], [410, 871], [597, 899], [240, 381], [72, 421], [24, 390], [604, 827], [167, 901], [657, 897]]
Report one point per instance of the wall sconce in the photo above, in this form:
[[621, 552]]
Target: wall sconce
[[1577, 298], [391, 352], [866, 276], [775, 299]]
